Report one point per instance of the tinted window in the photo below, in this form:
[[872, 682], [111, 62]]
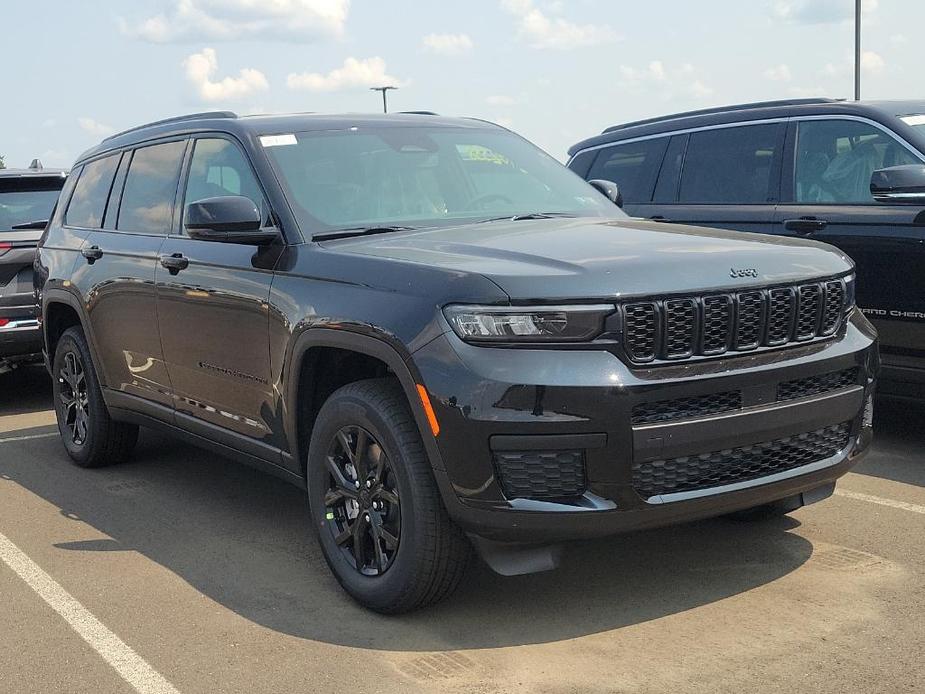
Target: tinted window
[[219, 168], [666, 189], [150, 188], [731, 165], [633, 167], [25, 200], [88, 203], [835, 159]]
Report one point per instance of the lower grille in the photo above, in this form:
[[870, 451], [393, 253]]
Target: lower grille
[[719, 468], [816, 385], [683, 408], [541, 474]]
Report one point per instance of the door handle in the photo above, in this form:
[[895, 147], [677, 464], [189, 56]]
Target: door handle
[[805, 225], [174, 262], [92, 253], [659, 218]]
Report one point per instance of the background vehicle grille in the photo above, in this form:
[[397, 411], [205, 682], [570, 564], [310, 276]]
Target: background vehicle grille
[[709, 325], [541, 474], [719, 468]]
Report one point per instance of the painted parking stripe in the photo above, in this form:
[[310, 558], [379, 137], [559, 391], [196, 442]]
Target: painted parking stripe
[[11, 439], [130, 666], [892, 503]]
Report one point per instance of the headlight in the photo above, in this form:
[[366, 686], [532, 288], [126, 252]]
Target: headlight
[[850, 289], [528, 323]]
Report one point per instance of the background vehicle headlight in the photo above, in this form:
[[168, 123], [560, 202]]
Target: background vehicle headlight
[[528, 323], [850, 291]]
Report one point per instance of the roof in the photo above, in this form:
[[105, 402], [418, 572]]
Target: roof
[[244, 126], [876, 110]]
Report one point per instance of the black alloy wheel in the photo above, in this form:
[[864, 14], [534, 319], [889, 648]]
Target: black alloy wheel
[[362, 508], [74, 398]]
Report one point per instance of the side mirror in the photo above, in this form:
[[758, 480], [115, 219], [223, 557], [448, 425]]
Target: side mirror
[[227, 219], [899, 184], [609, 189]]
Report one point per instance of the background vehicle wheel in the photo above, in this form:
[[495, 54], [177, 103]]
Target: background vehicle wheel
[[374, 502], [91, 437]]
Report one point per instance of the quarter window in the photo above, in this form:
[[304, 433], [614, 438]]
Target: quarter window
[[88, 203], [731, 165], [150, 188], [835, 159], [633, 167], [220, 168]]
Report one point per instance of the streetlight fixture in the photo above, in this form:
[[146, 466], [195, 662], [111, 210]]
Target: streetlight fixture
[[857, 50], [385, 103]]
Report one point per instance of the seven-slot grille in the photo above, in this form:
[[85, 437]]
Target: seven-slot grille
[[713, 324]]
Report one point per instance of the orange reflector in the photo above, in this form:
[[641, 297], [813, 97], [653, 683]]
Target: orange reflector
[[428, 410]]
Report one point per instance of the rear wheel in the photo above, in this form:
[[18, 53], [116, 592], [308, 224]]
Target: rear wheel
[[90, 435], [382, 525]]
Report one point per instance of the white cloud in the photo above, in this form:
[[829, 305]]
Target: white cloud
[[95, 127], [872, 62], [542, 31], [447, 44], [355, 72], [501, 100], [201, 68], [229, 20], [819, 11], [669, 81], [899, 39], [778, 73]]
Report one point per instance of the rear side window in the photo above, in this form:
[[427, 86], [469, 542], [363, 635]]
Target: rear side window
[[151, 188], [732, 165], [88, 203], [633, 167]]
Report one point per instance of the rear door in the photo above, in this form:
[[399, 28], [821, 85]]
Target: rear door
[[726, 177], [827, 198], [116, 270], [214, 312]]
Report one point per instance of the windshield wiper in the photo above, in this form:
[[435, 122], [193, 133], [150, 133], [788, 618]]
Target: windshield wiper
[[357, 231], [531, 215], [37, 224]]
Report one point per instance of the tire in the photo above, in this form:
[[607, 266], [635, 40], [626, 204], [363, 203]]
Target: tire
[[423, 555], [90, 436]]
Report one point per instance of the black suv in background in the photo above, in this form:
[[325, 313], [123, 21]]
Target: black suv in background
[[445, 336], [27, 197], [847, 173]]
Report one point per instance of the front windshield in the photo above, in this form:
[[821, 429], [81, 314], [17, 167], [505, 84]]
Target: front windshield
[[23, 206], [415, 176]]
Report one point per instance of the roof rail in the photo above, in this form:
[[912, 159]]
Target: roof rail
[[419, 113], [175, 119], [722, 109]]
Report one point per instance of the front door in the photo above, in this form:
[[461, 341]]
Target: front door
[[214, 318], [829, 200]]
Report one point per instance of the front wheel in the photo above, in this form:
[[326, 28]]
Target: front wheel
[[381, 523], [92, 438]]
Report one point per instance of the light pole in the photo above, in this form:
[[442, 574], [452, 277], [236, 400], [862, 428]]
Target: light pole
[[385, 103], [857, 50]]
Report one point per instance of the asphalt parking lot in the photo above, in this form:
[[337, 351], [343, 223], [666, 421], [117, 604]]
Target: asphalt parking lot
[[186, 572]]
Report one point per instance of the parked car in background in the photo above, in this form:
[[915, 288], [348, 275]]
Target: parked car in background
[[445, 336], [846, 173], [27, 197]]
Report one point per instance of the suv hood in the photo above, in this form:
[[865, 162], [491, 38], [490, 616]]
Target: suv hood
[[591, 258]]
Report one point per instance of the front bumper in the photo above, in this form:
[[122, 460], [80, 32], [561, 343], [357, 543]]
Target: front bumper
[[491, 401]]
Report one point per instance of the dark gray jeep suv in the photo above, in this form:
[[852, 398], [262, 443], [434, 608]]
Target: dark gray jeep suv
[[445, 336]]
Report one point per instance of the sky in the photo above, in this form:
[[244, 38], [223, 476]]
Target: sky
[[555, 71]]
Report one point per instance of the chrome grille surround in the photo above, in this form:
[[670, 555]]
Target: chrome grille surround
[[718, 323]]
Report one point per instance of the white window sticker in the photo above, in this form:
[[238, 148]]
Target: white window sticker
[[913, 120], [277, 140]]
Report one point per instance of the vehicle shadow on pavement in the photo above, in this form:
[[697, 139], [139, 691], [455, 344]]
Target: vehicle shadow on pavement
[[899, 432], [242, 538], [25, 390]]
